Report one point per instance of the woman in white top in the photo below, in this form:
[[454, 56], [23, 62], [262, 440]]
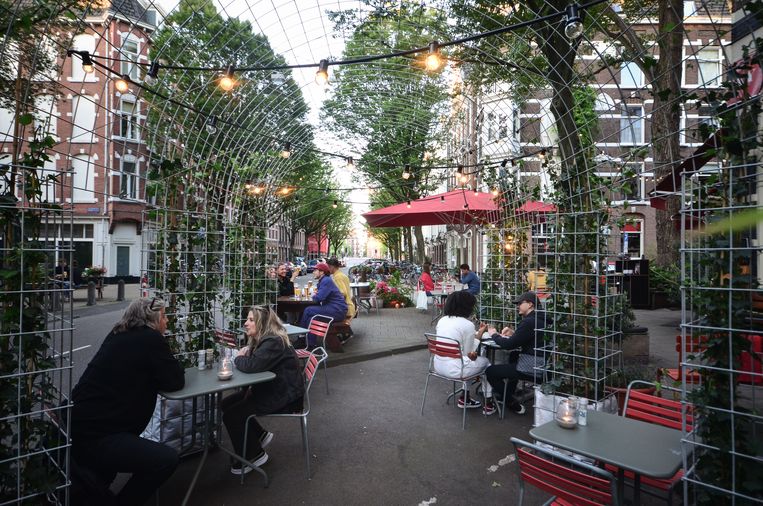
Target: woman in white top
[[455, 324]]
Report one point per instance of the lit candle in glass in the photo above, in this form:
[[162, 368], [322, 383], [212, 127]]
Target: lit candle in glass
[[226, 366], [567, 413]]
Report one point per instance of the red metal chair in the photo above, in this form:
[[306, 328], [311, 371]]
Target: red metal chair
[[227, 338], [571, 482], [312, 363], [448, 348], [319, 326], [694, 345], [666, 412]]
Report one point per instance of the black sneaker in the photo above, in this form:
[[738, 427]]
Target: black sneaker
[[470, 403], [235, 468], [489, 408], [517, 408]]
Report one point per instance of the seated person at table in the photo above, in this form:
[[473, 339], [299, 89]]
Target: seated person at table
[[470, 279], [343, 283], [527, 337], [61, 274], [268, 349], [286, 279], [115, 398], [330, 299], [455, 324], [426, 279]]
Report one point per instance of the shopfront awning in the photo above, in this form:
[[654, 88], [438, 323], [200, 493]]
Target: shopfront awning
[[457, 207]]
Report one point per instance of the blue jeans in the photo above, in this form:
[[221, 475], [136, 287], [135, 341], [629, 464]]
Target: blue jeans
[[150, 463]]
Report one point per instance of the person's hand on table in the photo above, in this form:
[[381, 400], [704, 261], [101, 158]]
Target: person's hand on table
[[507, 332], [472, 355], [244, 351]]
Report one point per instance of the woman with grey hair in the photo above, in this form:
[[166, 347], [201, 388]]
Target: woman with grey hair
[[115, 398]]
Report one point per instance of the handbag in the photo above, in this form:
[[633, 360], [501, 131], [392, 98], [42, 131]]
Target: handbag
[[421, 300], [527, 364]]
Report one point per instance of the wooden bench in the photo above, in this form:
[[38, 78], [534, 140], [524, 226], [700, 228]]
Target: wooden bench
[[338, 333]]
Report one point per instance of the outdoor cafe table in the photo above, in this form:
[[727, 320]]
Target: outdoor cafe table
[[355, 287], [296, 305], [205, 383], [631, 445]]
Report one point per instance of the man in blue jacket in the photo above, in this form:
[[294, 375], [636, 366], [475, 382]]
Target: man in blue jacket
[[330, 299], [527, 336], [470, 279]]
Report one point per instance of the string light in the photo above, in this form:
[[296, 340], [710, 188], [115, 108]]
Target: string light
[[408, 205], [322, 76], [350, 163], [87, 62], [152, 77], [442, 198], [574, 27], [285, 190], [212, 125], [335, 204], [542, 155], [227, 80], [433, 60], [122, 84], [460, 176], [495, 192], [466, 206], [286, 151], [257, 190], [407, 172]]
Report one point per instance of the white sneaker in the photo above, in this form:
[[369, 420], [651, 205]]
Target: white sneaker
[[236, 468], [266, 439]]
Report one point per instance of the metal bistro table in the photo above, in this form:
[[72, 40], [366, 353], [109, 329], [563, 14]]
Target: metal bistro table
[[355, 287], [631, 445], [205, 383], [438, 308]]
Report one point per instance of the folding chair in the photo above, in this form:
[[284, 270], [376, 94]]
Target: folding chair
[[312, 363], [652, 409], [570, 481], [448, 348], [319, 326], [692, 345]]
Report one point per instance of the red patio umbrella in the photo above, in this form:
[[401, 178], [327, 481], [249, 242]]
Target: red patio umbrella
[[452, 208], [536, 206]]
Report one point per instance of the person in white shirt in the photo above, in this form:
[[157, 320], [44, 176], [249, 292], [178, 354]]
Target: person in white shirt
[[455, 324]]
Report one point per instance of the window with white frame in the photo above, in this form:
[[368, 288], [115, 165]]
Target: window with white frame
[[631, 124], [83, 179], [130, 55], [83, 114], [45, 119], [82, 42], [631, 75], [49, 179], [128, 119], [128, 181], [7, 124], [698, 122], [5, 174], [548, 133], [709, 66], [491, 127], [632, 238]]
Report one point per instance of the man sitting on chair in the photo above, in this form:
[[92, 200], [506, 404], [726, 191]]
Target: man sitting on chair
[[330, 299], [527, 336], [343, 283]]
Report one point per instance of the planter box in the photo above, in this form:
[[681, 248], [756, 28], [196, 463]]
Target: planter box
[[172, 424], [545, 406], [635, 346]]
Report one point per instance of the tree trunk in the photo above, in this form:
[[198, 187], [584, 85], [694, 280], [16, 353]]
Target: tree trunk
[[666, 119], [419, 244], [409, 241]]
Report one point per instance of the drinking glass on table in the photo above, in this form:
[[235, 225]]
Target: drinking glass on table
[[296, 290]]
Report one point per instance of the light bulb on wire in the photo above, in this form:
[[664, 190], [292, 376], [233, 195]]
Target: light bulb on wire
[[335, 204], [212, 125], [408, 205], [227, 80], [495, 192], [122, 84], [322, 75], [350, 163], [574, 25], [152, 77], [87, 62], [433, 60], [286, 151], [407, 172]]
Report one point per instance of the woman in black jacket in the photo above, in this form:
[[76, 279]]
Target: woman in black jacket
[[268, 349]]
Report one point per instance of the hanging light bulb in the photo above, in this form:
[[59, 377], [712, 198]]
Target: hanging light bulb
[[433, 60], [227, 80], [122, 84], [322, 76], [286, 151], [574, 27], [350, 163], [408, 205], [152, 77], [407, 172], [285, 191], [542, 155], [427, 156], [212, 125], [466, 206], [258, 189], [87, 62], [442, 198], [335, 204], [277, 78], [495, 192], [476, 192]]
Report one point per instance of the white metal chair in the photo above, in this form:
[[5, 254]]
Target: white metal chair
[[319, 326], [312, 363], [448, 348]]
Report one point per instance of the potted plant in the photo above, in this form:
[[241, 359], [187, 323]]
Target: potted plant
[[95, 272]]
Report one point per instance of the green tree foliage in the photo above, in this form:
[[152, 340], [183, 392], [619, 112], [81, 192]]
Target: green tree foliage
[[372, 103]]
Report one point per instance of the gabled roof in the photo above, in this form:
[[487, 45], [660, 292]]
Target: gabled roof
[[134, 11]]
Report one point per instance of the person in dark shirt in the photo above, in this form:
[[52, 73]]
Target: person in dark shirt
[[470, 279], [527, 336], [61, 274], [268, 349], [286, 280], [115, 399]]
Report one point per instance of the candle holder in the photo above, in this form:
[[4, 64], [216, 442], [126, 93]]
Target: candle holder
[[226, 366], [567, 413]]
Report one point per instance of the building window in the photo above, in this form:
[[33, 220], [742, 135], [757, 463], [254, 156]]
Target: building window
[[130, 54], [631, 241], [698, 123], [7, 124], [709, 67], [83, 113], [128, 179], [632, 124], [5, 174], [45, 118], [548, 133], [82, 42], [491, 127], [128, 120], [631, 75], [83, 179]]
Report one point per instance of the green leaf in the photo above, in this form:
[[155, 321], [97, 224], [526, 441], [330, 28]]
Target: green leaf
[[26, 119]]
